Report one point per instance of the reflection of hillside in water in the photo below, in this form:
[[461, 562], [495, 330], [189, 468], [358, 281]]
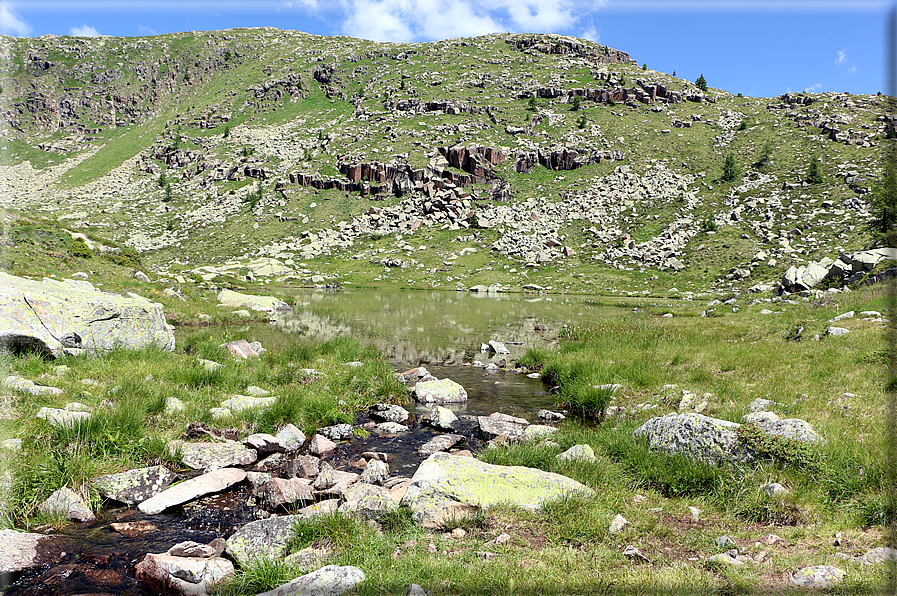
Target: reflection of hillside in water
[[432, 327]]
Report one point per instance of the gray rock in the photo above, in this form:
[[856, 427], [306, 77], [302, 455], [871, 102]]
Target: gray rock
[[62, 418], [28, 386], [52, 316], [212, 456], [337, 432], [707, 439], [142, 277], [818, 576], [790, 428], [19, 550], [265, 538], [134, 486], [415, 590], [448, 486], [174, 406], [443, 391], [194, 488], [306, 466], [263, 443], [550, 416], [535, 432], [618, 524], [879, 555], [191, 576], [330, 580], [440, 443], [725, 542], [210, 365], [375, 472], [268, 304], [320, 445], [285, 491], [579, 452], [188, 548], [367, 500], [254, 391], [290, 437], [774, 489], [239, 403], [391, 428], [69, 504], [498, 347], [389, 413], [497, 424], [439, 418], [761, 405], [837, 331]]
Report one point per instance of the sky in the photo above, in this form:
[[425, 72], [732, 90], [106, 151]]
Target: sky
[[760, 48]]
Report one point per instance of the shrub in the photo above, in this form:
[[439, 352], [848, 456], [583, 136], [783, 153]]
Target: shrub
[[533, 105], [581, 122], [765, 155], [814, 176], [779, 449], [78, 248], [126, 257], [576, 103]]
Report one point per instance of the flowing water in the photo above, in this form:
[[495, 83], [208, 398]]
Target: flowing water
[[443, 331]]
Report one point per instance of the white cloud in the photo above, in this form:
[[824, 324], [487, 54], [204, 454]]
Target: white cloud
[[852, 70], [84, 30], [813, 89], [11, 23], [145, 29], [842, 58], [591, 34]]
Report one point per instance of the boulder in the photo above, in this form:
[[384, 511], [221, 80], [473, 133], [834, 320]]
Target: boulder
[[578, 452], [447, 486], [282, 491], [790, 428], [63, 418], [442, 391], [290, 437], [439, 418], [818, 576], [268, 304], [194, 488], [330, 580], [19, 550], [695, 435], [440, 443], [375, 472], [263, 443], [134, 486], [367, 500], [878, 555], [239, 403], [211, 456], [497, 424], [265, 538], [69, 504], [54, 316], [190, 576], [320, 445], [389, 413]]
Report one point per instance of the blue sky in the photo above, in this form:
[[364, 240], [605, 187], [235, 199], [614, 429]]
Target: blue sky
[[755, 47]]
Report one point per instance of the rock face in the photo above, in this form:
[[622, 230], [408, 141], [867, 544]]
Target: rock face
[[442, 391], [191, 576], [212, 482], [330, 580], [268, 304], [18, 550], [54, 316], [447, 486], [707, 439], [134, 486]]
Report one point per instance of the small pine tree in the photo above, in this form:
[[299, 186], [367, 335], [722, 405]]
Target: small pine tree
[[674, 73], [765, 155], [576, 103], [644, 66], [730, 169], [162, 180], [226, 131], [581, 123], [701, 83], [884, 206], [167, 197], [533, 105], [814, 176]]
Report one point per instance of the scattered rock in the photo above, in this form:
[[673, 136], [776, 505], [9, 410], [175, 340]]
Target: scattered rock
[[134, 529], [194, 488], [320, 445], [69, 504], [440, 443], [579, 452], [443, 391], [497, 424], [290, 438], [134, 486], [389, 413], [708, 439], [212, 456], [191, 576], [265, 538], [28, 386], [330, 580], [268, 304], [618, 524], [879, 555], [818, 576], [439, 418]]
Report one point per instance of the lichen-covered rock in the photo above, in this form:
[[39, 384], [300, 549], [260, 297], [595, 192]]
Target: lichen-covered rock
[[134, 486], [265, 538], [330, 580], [442, 391], [389, 413], [440, 443], [52, 316], [790, 428], [238, 403], [578, 452], [28, 386], [190, 576], [212, 456], [497, 424], [62, 418], [68, 503], [440, 418], [286, 491], [290, 437], [818, 576], [268, 304], [194, 488], [446, 486], [367, 500], [701, 437]]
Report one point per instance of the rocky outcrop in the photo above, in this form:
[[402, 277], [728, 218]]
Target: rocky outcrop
[[448, 486], [52, 317], [562, 45], [564, 159]]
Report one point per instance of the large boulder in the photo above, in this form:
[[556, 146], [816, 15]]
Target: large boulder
[[20, 550], [212, 456], [265, 538], [442, 391], [701, 437], [134, 486], [330, 580], [447, 486], [54, 316], [268, 304]]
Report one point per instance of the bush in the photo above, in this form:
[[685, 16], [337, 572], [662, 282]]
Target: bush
[[78, 248], [782, 450], [814, 176], [576, 103], [126, 257]]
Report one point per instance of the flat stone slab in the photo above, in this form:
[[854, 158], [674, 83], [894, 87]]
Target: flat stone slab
[[28, 386], [212, 456], [440, 443], [268, 304], [194, 488], [239, 403], [265, 538], [497, 424], [446, 486], [134, 486], [19, 550], [62, 418]]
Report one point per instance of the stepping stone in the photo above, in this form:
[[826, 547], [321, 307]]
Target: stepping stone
[[194, 488]]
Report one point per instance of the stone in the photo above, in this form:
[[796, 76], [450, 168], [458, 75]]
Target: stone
[[879, 555], [134, 486], [774, 489], [212, 482], [498, 347], [447, 486], [62, 418], [188, 548], [725, 542], [135, 529], [439, 418], [241, 348], [837, 331], [142, 277], [761, 405], [265, 538], [375, 472], [442, 391], [415, 590], [268, 304], [255, 391], [710, 440], [389, 413], [239, 403], [326, 506], [367, 500], [285, 491], [617, 525], [212, 456], [790, 428], [440, 443], [550, 416], [634, 554], [320, 445], [391, 428], [263, 443], [28, 386], [210, 365], [337, 432], [497, 424], [818, 576], [69, 504], [19, 550], [306, 466], [52, 316], [290, 438], [190, 576], [174, 406], [330, 580], [579, 453], [536, 432]]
